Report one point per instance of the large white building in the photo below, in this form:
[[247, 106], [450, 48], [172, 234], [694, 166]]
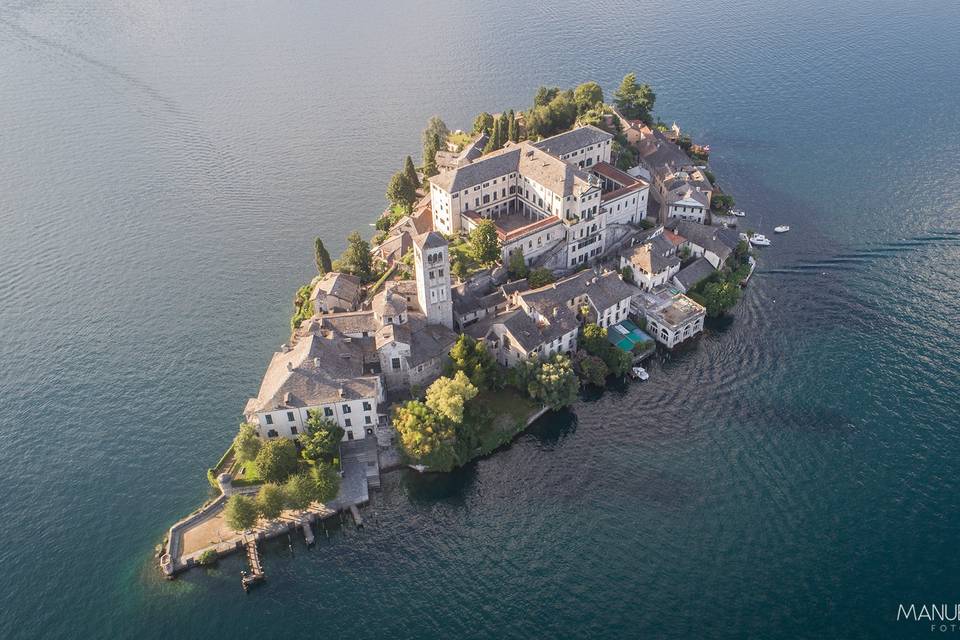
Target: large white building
[[552, 200], [343, 363]]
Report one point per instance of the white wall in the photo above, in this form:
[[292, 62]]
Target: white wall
[[344, 412]]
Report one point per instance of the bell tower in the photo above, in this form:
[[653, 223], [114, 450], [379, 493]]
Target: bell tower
[[431, 259]]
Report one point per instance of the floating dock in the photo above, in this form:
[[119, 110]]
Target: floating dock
[[256, 574]]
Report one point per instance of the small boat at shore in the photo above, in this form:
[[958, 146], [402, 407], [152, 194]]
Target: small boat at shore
[[759, 240], [738, 213], [640, 373], [782, 228]]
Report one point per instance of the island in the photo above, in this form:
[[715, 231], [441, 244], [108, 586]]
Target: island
[[542, 251]]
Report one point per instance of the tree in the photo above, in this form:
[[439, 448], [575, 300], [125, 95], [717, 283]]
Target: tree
[[276, 460], [717, 297], [247, 443], [401, 192], [722, 202], [430, 157], [592, 369], [436, 132], [270, 501], [241, 512], [483, 123], [321, 257], [513, 130], [517, 265], [540, 277], [356, 259], [587, 96], [484, 243], [594, 339], [627, 274], [618, 361], [472, 357], [545, 95], [554, 383], [503, 130], [299, 492], [448, 396], [425, 436], [326, 482], [322, 437], [634, 100], [411, 172]]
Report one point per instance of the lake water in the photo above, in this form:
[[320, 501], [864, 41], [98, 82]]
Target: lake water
[[165, 166]]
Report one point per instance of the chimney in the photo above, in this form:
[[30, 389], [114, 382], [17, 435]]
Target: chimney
[[316, 362], [284, 347], [289, 366]]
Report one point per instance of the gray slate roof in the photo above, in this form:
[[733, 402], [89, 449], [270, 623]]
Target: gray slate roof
[[719, 240], [564, 143], [690, 275]]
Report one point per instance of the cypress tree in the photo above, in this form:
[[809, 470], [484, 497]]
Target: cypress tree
[[411, 172], [321, 257]]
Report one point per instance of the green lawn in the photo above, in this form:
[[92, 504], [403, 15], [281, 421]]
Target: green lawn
[[460, 139], [511, 409]]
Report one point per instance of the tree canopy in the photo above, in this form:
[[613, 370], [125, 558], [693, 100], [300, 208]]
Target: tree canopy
[[554, 382], [299, 491], [717, 297], [401, 192], [321, 257], [424, 435], [545, 95], [411, 172], [483, 123], [540, 277], [271, 501], [276, 460], [472, 357], [322, 437], [517, 265], [434, 139], [633, 99], [587, 96], [448, 396], [241, 512], [484, 243], [247, 443], [356, 258], [592, 369], [326, 482]]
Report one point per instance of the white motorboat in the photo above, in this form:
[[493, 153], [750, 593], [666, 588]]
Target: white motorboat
[[759, 240], [737, 212], [782, 228], [640, 373]]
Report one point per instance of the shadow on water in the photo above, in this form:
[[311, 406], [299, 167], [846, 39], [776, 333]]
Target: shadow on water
[[428, 488], [553, 427]]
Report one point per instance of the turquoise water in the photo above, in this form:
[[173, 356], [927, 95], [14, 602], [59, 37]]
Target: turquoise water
[[164, 167]]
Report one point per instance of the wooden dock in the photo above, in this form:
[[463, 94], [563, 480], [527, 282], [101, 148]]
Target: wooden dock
[[256, 574], [307, 533]]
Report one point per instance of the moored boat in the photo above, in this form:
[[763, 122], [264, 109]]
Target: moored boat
[[759, 240], [640, 373], [782, 228]]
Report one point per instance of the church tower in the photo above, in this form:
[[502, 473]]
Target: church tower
[[431, 259]]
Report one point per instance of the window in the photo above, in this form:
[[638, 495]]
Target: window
[[290, 416], [366, 406], [369, 432], [346, 408], [346, 423], [486, 198], [366, 419], [440, 273], [293, 430], [272, 433], [269, 418], [395, 363], [327, 411]]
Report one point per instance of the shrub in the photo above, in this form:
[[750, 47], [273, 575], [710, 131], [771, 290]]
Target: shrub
[[241, 512], [207, 558], [270, 501], [540, 277], [277, 460]]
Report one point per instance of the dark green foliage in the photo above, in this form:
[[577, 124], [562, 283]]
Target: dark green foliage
[[513, 129], [326, 482], [472, 358], [587, 96], [594, 341], [207, 558], [321, 257], [722, 202], [484, 243], [322, 438], [634, 100], [246, 445], [627, 274], [425, 437], [540, 277], [299, 491], [545, 95], [483, 123], [401, 192], [554, 382], [271, 501], [276, 460], [411, 172], [356, 259], [591, 369], [241, 512], [517, 266], [716, 296]]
